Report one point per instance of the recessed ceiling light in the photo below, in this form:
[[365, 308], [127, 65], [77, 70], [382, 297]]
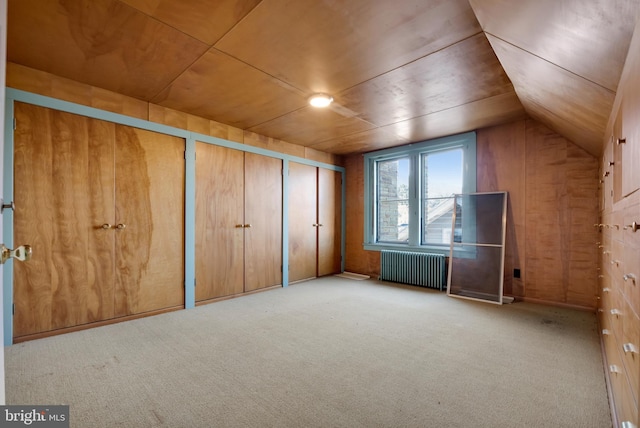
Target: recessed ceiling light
[[320, 100]]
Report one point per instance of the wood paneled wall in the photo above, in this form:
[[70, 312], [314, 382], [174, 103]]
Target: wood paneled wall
[[39, 82], [553, 204]]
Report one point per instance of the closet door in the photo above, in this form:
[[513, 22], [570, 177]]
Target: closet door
[[263, 221], [219, 221], [64, 193], [329, 220], [149, 221], [303, 227]]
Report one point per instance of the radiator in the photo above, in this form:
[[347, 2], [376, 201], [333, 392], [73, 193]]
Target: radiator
[[423, 269]]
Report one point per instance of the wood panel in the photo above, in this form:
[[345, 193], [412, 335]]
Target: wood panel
[[443, 79], [310, 125], [194, 17], [630, 123], [150, 202], [104, 43], [219, 212], [237, 89], [501, 167], [568, 33], [63, 193], [561, 208], [40, 82], [357, 259], [344, 36], [263, 211], [303, 229], [558, 96], [329, 216]]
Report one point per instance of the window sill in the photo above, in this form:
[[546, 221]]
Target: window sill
[[417, 249]]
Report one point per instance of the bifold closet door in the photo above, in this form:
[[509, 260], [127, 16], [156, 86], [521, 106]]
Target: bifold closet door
[[64, 192], [330, 221], [263, 221], [219, 221], [102, 207], [149, 221], [303, 224]]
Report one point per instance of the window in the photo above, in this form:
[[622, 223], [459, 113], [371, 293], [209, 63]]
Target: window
[[409, 193]]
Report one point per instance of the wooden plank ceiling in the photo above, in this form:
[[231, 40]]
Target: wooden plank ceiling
[[399, 71]]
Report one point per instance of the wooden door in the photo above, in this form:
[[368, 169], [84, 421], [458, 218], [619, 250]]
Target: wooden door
[[64, 192], [263, 220], [219, 221], [329, 217], [150, 219], [303, 227]]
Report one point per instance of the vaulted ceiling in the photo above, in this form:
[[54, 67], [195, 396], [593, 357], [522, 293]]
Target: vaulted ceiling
[[400, 71]]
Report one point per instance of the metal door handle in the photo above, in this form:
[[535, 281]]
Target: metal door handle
[[121, 226], [106, 226], [635, 226], [22, 253]]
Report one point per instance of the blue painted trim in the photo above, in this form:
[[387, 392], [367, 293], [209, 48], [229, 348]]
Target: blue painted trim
[[190, 225], [466, 140], [190, 138], [343, 230], [285, 223], [92, 112], [7, 225]]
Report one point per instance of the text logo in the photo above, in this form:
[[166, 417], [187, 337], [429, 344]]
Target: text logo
[[34, 416]]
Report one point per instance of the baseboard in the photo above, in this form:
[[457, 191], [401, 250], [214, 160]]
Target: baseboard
[[556, 304], [87, 326]]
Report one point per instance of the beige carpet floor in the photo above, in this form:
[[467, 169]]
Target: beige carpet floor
[[332, 352]]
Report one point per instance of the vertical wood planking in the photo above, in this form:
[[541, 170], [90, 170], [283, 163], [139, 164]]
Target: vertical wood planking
[[63, 180], [561, 208], [501, 167], [263, 211], [356, 258], [101, 251], [219, 210], [150, 202], [33, 195], [329, 216], [303, 229]]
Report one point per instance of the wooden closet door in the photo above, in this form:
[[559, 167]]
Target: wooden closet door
[[219, 221], [329, 216], [303, 227], [150, 207], [64, 192], [263, 212]]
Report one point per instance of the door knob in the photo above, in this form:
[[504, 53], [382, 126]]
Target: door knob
[[121, 226], [106, 226], [22, 253]]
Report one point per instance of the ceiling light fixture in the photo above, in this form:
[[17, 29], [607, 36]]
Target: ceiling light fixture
[[320, 100]]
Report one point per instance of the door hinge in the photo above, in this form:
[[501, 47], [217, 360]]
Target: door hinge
[[13, 309], [15, 124], [195, 283]]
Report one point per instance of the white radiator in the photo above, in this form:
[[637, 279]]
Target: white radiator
[[423, 269]]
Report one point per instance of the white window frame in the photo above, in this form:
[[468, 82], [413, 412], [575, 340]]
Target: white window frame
[[466, 142]]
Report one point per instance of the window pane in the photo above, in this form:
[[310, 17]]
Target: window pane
[[441, 179], [437, 217], [393, 221], [393, 200], [393, 180], [442, 174]]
